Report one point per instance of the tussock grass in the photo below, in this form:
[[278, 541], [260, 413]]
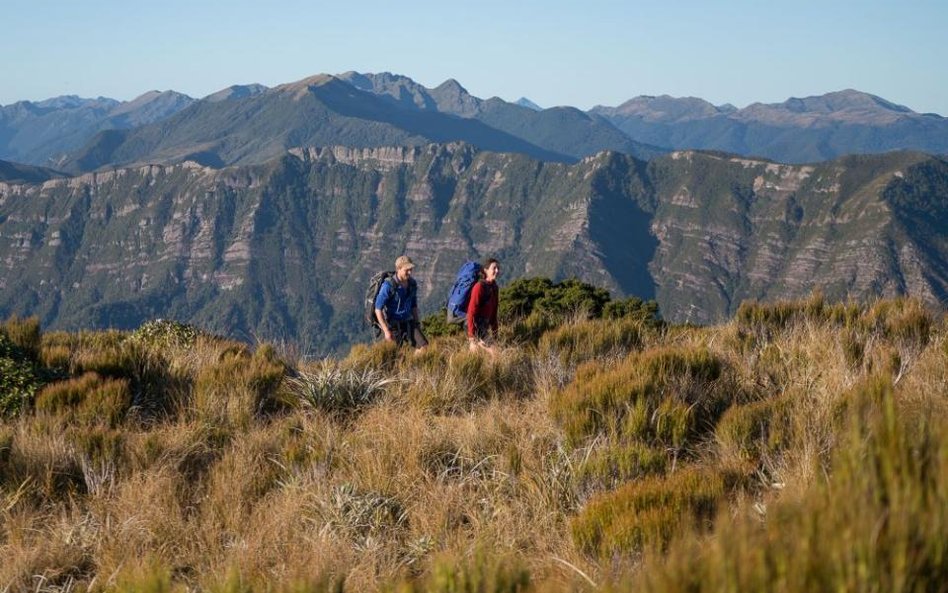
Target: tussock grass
[[875, 521], [662, 397], [87, 399], [624, 453], [647, 513], [24, 335], [591, 340]]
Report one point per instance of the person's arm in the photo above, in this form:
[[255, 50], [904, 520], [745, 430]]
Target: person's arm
[[472, 309], [380, 300], [381, 319]]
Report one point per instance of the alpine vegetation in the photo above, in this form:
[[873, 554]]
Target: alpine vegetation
[[799, 446]]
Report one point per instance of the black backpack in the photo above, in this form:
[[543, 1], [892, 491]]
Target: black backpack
[[372, 292]]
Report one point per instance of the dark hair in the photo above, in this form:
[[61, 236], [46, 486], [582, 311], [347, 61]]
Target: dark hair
[[486, 264]]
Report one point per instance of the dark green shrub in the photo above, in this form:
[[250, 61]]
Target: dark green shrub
[[632, 307], [436, 325], [18, 385]]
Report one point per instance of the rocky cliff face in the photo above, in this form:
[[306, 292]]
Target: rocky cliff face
[[732, 229], [283, 250]]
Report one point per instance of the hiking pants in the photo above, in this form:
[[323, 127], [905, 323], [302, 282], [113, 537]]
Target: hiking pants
[[408, 331]]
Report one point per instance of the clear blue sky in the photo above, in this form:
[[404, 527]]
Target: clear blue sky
[[578, 53]]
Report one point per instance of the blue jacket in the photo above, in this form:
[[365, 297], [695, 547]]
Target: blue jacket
[[398, 302]]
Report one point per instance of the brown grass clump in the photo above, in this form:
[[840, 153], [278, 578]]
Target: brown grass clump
[[647, 513], [590, 340], [237, 388], [455, 380], [662, 396], [88, 399], [24, 334]]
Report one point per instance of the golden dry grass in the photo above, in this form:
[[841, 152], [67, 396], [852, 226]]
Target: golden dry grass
[[606, 454]]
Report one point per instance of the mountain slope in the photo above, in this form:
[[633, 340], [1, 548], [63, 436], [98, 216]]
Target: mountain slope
[[797, 131], [17, 173], [564, 130], [283, 249], [40, 133], [317, 111]]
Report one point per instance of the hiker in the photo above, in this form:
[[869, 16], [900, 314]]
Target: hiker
[[482, 309], [396, 307]]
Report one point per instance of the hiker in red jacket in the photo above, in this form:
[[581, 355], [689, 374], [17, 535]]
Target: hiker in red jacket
[[482, 308]]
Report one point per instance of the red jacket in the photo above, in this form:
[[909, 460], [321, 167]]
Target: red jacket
[[483, 305]]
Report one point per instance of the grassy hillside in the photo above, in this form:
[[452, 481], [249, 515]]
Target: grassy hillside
[[799, 447]]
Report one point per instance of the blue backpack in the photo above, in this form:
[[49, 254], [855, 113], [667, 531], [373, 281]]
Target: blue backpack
[[469, 273]]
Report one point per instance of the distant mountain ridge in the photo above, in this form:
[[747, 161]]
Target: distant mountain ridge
[[281, 250], [316, 111], [564, 130], [59, 132], [799, 130], [357, 110], [41, 133]]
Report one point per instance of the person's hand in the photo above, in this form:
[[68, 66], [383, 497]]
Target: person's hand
[[472, 344], [388, 336]]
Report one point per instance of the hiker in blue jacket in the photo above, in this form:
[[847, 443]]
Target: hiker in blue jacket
[[396, 307]]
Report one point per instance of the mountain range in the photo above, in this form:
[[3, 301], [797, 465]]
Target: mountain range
[[246, 124], [283, 249], [803, 130]]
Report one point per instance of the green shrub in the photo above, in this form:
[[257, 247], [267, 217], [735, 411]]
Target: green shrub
[[18, 385], [165, 333], [633, 308], [566, 299], [436, 325], [647, 513]]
